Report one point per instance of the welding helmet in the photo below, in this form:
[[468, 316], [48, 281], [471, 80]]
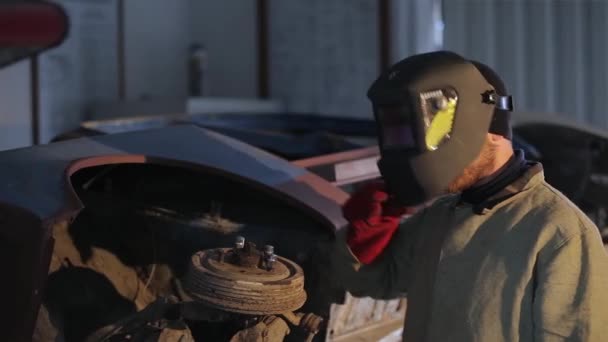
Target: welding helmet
[[433, 112]]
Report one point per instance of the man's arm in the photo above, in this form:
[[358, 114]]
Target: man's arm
[[571, 296], [389, 275]]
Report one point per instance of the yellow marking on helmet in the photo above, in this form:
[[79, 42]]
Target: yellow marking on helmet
[[441, 125]]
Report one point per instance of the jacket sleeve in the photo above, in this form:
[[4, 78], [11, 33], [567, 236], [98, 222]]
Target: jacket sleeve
[[389, 275], [571, 296]]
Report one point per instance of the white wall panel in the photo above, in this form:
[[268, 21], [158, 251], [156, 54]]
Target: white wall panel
[[228, 29], [323, 55], [157, 35], [15, 106]]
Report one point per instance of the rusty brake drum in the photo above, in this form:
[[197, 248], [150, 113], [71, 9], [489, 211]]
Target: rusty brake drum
[[246, 281]]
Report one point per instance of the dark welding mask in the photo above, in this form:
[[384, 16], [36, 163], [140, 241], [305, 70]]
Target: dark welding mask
[[433, 112]]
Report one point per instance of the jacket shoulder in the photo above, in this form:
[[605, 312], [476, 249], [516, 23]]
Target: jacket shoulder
[[433, 209], [560, 219]]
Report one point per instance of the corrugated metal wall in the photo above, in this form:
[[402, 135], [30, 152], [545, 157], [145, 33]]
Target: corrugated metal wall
[[416, 27], [552, 54]]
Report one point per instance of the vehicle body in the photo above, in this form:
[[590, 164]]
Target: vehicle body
[[126, 208]]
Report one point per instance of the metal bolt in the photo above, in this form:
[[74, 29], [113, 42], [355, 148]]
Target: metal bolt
[[240, 242], [268, 249], [269, 257]]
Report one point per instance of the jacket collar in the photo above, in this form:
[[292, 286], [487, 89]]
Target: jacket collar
[[532, 177]]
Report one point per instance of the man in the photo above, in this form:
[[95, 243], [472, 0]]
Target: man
[[502, 257]]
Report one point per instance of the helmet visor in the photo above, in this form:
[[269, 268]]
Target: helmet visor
[[400, 126]]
